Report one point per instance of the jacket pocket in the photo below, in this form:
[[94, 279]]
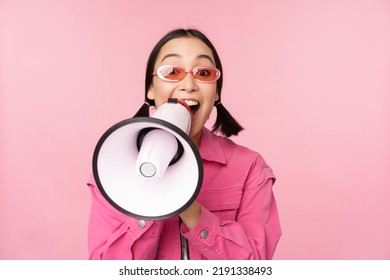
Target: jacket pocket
[[222, 201]]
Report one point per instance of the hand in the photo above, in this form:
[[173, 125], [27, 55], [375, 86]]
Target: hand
[[191, 215]]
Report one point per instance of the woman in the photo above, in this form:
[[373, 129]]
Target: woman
[[235, 215]]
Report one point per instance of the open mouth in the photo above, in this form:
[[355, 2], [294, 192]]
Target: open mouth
[[194, 106]]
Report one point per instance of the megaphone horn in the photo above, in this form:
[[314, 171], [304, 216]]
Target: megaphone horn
[[148, 167]]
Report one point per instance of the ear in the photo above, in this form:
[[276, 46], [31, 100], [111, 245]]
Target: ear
[[150, 93], [216, 96]]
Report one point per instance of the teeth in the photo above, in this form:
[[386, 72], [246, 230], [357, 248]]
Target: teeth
[[191, 102]]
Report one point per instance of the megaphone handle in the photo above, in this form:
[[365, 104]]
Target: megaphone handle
[[184, 245]]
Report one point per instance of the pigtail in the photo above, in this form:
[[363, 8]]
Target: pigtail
[[225, 123], [143, 111]]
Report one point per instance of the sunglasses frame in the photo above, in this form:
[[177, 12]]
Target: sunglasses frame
[[192, 72]]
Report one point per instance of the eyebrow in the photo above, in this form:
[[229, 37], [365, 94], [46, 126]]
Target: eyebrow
[[179, 56]]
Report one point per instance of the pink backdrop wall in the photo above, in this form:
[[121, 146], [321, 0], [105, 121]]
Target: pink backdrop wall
[[309, 80]]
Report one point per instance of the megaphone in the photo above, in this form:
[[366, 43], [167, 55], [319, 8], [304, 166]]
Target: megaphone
[[148, 167]]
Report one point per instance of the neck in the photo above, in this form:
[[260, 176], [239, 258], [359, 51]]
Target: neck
[[196, 139]]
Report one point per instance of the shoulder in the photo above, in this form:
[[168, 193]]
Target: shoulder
[[234, 165], [234, 150], [236, 155]]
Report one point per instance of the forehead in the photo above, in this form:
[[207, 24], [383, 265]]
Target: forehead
[[186, 49]]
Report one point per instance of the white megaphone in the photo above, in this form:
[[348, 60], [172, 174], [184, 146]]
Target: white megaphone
[[149, 168]]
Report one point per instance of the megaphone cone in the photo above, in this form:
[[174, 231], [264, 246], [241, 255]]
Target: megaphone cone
[[148, 167]]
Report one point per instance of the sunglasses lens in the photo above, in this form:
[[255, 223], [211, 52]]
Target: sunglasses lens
[[206, 74], [171, 73]]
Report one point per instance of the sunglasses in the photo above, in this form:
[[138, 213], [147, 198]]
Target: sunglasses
[[171, 73]]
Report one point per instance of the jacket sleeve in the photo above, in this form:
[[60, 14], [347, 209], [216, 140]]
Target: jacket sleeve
[[255, 232], [113, 235]]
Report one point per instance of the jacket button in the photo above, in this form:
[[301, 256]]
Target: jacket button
[[141, 223], [204, 233]]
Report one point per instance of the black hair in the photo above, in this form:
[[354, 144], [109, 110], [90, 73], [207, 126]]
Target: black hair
[[224, 123]]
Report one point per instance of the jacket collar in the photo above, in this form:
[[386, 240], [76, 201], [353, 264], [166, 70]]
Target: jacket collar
[[211, 148]]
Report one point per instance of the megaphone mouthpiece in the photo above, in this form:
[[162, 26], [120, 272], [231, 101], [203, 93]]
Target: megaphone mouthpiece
[[176, 112]]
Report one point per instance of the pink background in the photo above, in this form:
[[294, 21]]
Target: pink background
[[309, 80]]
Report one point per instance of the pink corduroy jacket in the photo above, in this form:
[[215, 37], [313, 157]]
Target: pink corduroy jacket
[[239, 217]]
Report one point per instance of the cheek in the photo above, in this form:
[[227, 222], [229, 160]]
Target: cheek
[[161, 93], [211, 95]]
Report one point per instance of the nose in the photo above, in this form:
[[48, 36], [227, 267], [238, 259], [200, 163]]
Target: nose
[[188, 84]]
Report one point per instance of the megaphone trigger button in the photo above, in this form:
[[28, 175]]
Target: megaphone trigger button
[[141, 223]]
